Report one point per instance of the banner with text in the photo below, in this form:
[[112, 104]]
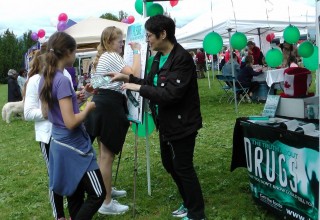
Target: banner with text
[[284, 171]]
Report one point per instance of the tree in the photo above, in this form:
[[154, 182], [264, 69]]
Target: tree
[[12, 52], [122, 15], [109, 16]]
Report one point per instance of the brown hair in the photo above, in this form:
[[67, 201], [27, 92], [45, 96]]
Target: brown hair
[[59, 44], [249, 60], [108, 35], [36, 64]]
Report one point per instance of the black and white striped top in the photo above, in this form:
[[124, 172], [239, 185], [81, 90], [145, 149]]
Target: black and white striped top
[[110, 62]]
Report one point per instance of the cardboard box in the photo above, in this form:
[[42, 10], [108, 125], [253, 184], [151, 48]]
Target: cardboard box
[[295, 107]]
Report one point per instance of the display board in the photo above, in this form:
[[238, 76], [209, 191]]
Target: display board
[[283, 169], [136, 33]]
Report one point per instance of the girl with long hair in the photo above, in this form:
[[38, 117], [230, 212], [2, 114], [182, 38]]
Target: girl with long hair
[[73, 169]]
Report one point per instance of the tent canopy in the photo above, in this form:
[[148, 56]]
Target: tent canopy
[[87, 33], [251, 23]]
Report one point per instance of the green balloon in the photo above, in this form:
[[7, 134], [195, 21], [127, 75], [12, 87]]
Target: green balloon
[[274, 57], [238, 41], [212, 43], [139, 6], [312, 62], [142, 127], [291, 34], [305, 49], [154, 9]]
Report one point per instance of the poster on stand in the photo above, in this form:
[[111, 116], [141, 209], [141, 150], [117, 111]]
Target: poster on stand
[[283, 169], [135, 33]]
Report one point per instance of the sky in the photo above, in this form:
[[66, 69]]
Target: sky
[[19, 16]]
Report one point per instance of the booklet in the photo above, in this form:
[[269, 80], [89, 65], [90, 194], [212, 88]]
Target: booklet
[[271, 106], [99, 81]]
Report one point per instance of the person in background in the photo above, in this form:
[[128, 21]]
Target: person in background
[[246, 74], [73, 169], [22, 79], [227, 68], [32, 112], [193, 55], [201, 63], [14, 92], [74, 77], [254, 51], [288, 50], [293, 61], [171, 86], [109, 122]]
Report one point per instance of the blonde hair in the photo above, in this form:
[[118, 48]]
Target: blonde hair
[[109, 34]]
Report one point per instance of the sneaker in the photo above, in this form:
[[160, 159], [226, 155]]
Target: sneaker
[[113, 208], [186, 218], [117, 193], [180, 212]]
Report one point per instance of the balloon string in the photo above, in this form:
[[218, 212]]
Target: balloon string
[[267, 13], [289, 14], [234, 15], [211, 16]]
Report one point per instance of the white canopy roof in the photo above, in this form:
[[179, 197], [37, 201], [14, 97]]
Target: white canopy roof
[[87, 33], [252, 21]]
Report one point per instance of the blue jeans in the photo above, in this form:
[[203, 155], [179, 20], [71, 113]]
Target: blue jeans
[[177, 159]]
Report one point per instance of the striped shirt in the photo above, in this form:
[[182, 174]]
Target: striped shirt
[[110, 62]]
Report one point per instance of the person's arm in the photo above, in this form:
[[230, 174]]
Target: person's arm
[[32, 108], [135, 69], [70, 119]]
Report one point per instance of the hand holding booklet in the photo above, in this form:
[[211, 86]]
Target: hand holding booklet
[[99, 81]]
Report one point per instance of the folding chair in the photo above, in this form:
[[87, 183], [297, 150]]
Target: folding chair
[[239, 89], [225, 86]]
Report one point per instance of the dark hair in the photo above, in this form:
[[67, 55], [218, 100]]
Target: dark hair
[[292, 58], [22, 71], [59, 45], [249, 59], [158, 23]]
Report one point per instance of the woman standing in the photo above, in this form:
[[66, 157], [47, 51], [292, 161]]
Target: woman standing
[[109, 121], [171, 86], [73, 170]]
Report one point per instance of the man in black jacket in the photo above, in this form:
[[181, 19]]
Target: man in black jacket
[[171, 86]]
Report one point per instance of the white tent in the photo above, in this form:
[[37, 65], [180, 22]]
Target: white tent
[[87, 33], [253, 21]]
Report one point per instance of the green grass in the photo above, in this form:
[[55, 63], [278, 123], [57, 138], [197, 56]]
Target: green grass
[[24, 182]]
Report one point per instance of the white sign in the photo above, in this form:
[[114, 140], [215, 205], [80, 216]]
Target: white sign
[[135, 33]]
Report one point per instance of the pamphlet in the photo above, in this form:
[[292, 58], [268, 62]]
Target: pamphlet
[[98, 81], [271, 106]]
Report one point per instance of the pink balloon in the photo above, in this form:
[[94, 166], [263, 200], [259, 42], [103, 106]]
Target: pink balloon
[[130, 19], [63, 17], [41, 33], [173, 2], [62, 25], [34, 36]]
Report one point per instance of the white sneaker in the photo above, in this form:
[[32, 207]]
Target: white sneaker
[[117, 193], [113, 208]]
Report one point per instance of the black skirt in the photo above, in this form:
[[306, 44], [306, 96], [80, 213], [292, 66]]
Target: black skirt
[[109, 120]]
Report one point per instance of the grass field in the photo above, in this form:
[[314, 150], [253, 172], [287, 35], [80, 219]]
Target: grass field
[[24, 181]]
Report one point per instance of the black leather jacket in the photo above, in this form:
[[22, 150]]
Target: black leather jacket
[[176, 94]]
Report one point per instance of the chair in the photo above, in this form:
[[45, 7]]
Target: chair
[[239, 89], [225, 86]]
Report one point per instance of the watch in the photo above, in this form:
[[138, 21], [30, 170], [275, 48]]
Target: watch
[[136, 52]]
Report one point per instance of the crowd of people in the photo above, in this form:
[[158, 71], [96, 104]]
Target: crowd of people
[[66, 134]]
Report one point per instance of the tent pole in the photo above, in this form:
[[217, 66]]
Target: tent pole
[[208, 72], [317, 43], [232, 70]]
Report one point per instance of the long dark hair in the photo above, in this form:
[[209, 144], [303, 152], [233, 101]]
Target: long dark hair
[[59, 44]]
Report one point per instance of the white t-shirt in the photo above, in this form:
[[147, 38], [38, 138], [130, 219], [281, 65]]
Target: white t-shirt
[[110, 62]]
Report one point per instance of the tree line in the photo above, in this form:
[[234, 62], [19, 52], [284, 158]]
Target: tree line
[[12, 51], [13, 48]]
